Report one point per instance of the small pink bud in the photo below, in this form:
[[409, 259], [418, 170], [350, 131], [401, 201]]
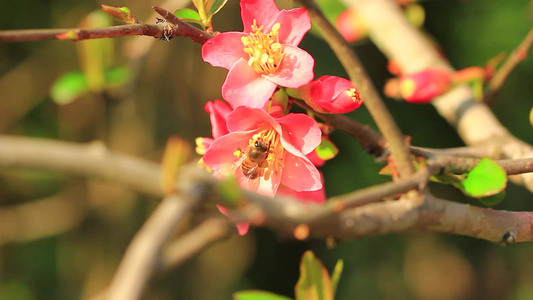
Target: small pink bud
[[330, 94], [350, 26], [425, 85]]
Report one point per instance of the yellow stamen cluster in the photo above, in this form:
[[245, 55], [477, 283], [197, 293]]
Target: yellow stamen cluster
[[264, 50], [275, 153], [354, 94]]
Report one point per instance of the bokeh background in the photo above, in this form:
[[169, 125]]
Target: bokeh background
[[62, 237]]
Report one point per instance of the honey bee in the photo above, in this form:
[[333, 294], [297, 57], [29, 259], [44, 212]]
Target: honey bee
[[253, 160]]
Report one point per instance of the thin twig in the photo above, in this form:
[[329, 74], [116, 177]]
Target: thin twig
[[397, 144], [183, 28], [461, 165], [78, 34], [518, 55], [475, 123], [191, 243]]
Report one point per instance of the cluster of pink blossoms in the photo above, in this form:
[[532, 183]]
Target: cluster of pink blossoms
[[268, 150]]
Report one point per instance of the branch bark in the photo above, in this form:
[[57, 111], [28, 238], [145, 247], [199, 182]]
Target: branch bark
[[474, 121], [78, 34], [141, 257], [396, 142]]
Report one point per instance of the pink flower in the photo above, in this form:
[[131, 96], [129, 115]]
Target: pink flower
[[264, 55], [263, 151], [329, 94]]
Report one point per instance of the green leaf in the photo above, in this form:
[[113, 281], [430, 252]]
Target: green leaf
[[487, 178], [217, 5], [188, 15], [314, 282], [68, 87], [200, 7], [326, 150], [258, 295], [120, 13], [336, 275], [492, 200]]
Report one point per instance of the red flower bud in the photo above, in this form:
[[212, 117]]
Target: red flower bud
[[329, 94], [425, 85]]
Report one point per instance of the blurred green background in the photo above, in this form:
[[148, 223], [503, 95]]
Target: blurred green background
[[63, 237]]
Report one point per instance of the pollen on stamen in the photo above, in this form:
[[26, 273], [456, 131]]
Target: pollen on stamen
[[353, 94], [265, 51]]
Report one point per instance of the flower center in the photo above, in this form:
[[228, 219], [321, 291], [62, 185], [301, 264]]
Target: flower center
[[264, 50]]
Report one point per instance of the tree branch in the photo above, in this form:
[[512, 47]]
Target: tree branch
[[77, 34], [353, 215], [191, 243], [141, 257], [92, 160], [183, 28], [174, 27], [397, 144], [475, 123]]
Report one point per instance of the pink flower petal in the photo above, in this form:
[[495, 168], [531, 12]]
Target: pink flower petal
[[296, 68], [220, 156], [301, 131], [318, 196], [264, 11], [245, 87], [242, 227], [300, 174], [295, 23], [224, 49], [259, 185], [218, 113], [243, 119]]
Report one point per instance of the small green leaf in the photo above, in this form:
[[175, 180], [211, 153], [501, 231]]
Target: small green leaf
[[326, 150], [188, 15], [492, 200], [487, 178], [68, 87], [216, 6], [120, 13], [314, 282], [200, 6], [258, 295], [336, 275]]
